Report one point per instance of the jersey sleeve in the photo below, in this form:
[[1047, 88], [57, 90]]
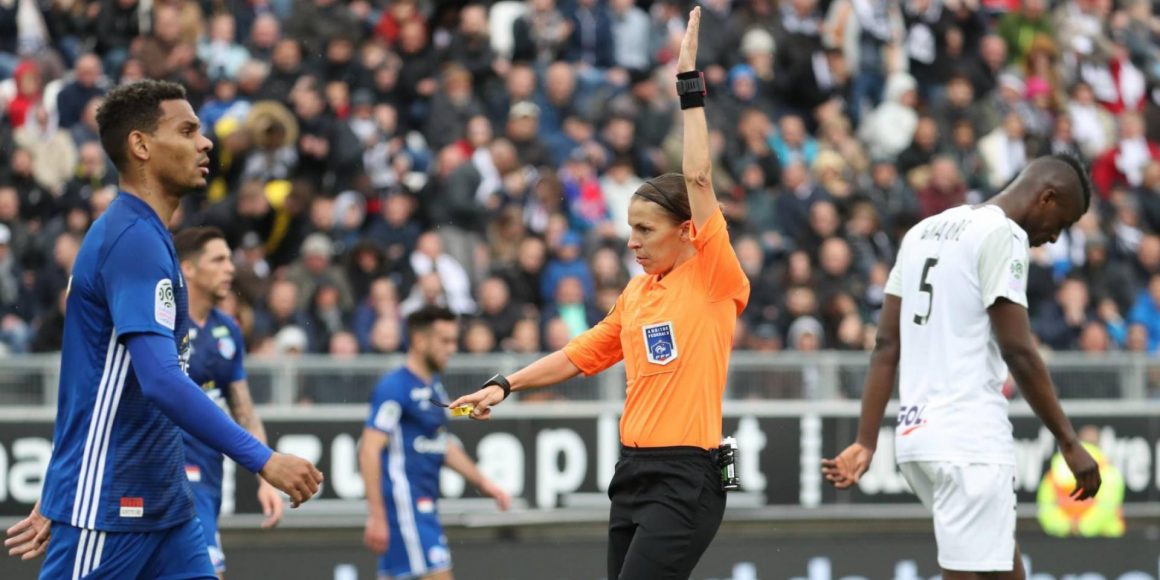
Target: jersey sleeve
[[598, 347], [386, 407], [238, 368], [138, 275], [1003, 263], [717, 263], [894, 281]]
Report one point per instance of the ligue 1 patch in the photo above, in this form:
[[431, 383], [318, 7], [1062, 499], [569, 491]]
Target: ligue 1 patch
[[660, 346], [132, 507], [220, 331], [227, 348], [165, 304], [193, 473]]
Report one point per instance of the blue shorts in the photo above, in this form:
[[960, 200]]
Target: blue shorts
[[208, 502], [416, 546], [174, 554]]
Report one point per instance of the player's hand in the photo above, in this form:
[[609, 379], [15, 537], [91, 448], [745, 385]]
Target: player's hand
[[29, 537], [295, 476], [687, 61], [376, 536], [482, 401], [1084, 468], [845, 469], [502, 500], [271, 501]]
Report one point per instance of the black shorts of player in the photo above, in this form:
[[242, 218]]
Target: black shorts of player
[[667, 503]]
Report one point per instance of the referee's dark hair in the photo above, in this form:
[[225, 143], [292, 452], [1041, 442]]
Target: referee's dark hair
[[190, 242], [133, 107], [1081, 173], [424, 318], [670, 192]]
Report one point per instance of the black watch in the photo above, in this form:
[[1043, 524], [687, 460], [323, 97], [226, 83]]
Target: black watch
[[691, 83], [500, 381]]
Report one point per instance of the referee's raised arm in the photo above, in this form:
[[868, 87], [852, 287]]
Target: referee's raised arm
[[695, 163]]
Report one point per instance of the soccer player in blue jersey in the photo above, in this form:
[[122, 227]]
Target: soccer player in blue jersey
[[404, 445], [216, 362], [116, 501]]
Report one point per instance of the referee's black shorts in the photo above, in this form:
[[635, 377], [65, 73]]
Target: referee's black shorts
[[667, 503]]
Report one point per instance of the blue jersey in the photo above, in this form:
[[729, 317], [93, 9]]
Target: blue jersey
[[416, 429], [117, 462], [215, 360]]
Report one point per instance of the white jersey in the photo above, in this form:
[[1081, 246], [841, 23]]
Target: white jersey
[[950, 269]]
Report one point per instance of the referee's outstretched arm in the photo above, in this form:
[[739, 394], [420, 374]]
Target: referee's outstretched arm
[[696, 165]]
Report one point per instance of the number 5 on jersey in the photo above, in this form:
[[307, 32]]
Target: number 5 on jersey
[[924, 286]]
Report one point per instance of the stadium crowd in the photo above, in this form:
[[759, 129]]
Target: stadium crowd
[[374, 156]]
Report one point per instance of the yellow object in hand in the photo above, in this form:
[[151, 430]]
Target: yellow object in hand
[[462, 410]]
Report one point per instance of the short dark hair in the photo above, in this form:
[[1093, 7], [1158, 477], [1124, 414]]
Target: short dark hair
[[133, 107], [190, 242], [670, 192], [1081, 173], [424, 318]]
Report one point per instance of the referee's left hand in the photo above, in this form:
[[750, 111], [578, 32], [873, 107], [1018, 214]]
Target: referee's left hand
[[482, 401], [687, 60], [845, 469]]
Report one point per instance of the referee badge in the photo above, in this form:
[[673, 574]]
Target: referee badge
[[660, 346]]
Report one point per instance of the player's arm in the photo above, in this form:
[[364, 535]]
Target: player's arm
[[696, 164], [458, 460], [1013, 333], [138, 278], [593, 351], [1003, 266], [845, 469], [242, 409], [370, 465], [165, 385]]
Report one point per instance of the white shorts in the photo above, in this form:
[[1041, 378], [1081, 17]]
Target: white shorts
[[974, 512]]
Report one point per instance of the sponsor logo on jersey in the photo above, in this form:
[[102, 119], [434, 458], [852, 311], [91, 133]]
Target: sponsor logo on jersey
[[438, 445], [132, 507], [910, 419]]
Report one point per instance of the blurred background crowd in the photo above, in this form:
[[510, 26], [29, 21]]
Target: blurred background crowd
[[373, 156]]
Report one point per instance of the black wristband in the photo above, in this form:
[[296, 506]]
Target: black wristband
[[691, 89], [500, 381]]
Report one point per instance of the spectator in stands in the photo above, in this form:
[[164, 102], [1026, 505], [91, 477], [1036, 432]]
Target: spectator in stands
[[478, 338], [1060, 323], [945, 188], [1146, 311], [430, 258], [496, 308], [15, 310], [54, 156], [88, 83], [1124, 164], [541, 34], [315, 265], [281, 311]]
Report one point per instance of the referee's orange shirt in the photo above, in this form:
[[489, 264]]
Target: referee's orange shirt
[[675, 335]]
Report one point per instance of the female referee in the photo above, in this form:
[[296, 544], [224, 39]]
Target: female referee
[[673, 327]]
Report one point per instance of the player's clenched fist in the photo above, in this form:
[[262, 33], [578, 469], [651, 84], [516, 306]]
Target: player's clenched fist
[[295, 476]]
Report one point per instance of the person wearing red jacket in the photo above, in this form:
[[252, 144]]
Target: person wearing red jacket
[[1124, 164]]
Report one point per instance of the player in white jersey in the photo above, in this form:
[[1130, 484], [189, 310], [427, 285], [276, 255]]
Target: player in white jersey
[[954, 321]]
